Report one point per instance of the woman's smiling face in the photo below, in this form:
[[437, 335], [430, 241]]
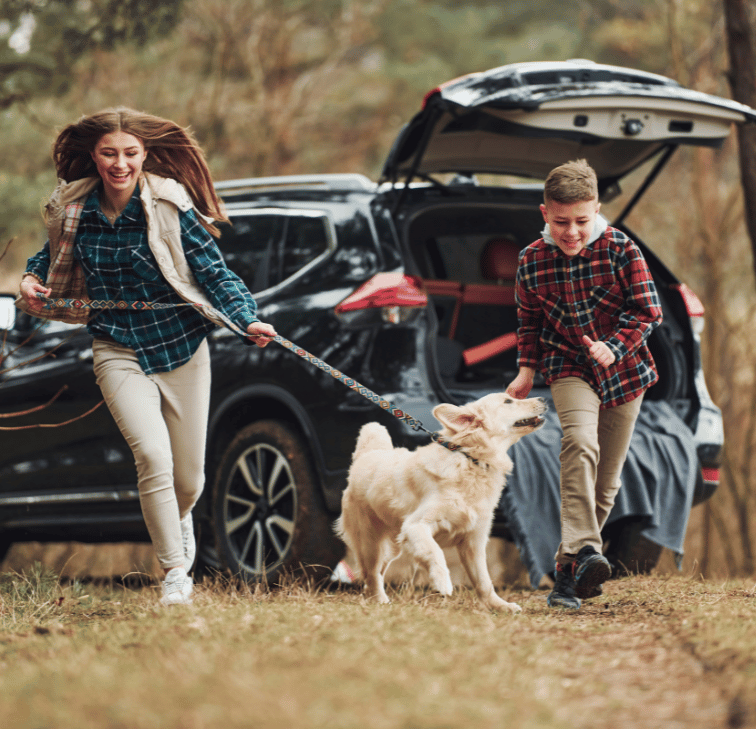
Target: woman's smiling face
[[119, 157]]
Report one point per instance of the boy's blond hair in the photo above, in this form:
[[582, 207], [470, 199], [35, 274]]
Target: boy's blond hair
[[570, 183]]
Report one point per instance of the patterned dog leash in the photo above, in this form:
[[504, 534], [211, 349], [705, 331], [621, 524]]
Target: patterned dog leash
[[352, 384]]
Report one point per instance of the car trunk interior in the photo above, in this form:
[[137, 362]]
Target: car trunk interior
[[467, 257], [466, 254]]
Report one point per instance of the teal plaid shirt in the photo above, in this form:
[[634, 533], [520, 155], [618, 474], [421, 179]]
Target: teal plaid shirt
[[119, 264]]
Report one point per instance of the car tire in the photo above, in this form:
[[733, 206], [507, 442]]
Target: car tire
[[629, 552], [208, 563], [5, 545], [268, 515]]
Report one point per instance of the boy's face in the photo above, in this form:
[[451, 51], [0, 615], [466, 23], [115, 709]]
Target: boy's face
[[571, 223]]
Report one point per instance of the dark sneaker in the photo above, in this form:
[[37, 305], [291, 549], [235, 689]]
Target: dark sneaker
[[563, 594], [590, 570], [587, 594]]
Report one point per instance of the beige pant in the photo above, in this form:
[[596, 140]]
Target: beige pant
[[163, 418], [594, 447]]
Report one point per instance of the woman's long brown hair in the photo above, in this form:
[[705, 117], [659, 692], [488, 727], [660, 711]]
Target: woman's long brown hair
[[172, 152]]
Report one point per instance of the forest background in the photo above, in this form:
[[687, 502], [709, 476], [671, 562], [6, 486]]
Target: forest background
[[275, 87]]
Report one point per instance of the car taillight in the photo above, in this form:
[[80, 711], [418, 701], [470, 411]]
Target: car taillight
[[395, 296], [693, 306], [710, 475]]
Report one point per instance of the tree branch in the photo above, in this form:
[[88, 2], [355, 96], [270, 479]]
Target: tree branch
[[46, 353], [7, 247], [53, 425], [38, 408]]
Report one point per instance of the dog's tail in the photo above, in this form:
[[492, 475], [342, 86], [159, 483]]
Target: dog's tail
[[372, 437]]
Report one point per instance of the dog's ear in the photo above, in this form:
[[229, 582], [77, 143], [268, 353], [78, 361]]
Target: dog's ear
[[454, 418]]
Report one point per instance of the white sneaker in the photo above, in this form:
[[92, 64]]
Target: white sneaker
[[190, 544], [177, 588]]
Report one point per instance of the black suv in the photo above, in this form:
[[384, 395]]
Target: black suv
[[405, 285]]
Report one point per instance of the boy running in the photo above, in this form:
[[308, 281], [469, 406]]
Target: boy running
[[586, 307]]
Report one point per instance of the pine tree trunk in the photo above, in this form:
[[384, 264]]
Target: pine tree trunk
[[740, 20]]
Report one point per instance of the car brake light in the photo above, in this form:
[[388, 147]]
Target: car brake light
[[710, 475], [693, 306], [396, 295]]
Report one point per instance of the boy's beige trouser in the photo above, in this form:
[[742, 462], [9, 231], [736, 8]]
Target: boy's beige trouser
[[594, 447], [163, 418]]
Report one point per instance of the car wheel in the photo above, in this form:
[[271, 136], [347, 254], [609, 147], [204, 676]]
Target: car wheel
[[5, 545], [208, 563], [268, 515], [629, 552]]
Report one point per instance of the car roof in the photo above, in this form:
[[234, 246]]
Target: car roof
[[255, 186]]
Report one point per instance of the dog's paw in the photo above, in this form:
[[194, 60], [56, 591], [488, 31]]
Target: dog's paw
[[441, 581], [378, 596], [494, 602]]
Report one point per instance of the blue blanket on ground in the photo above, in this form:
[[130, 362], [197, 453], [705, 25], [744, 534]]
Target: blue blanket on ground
[[658, 481]]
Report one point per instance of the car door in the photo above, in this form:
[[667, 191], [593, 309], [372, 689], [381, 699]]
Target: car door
[[54, 459]]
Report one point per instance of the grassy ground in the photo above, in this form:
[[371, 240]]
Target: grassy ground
[[653, 652]]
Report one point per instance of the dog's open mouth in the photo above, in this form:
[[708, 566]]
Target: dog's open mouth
[[533, 422]]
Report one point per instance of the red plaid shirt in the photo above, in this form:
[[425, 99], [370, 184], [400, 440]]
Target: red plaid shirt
[[606, 292]]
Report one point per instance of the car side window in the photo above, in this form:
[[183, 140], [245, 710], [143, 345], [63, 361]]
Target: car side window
[[306, 238], [248, 246], [267, 248]]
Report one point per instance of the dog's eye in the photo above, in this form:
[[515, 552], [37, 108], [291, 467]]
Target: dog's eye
[[508, 401]]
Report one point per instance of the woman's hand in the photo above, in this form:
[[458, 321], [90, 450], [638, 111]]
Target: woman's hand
[[29, 289], [600, 352], [262, 334]]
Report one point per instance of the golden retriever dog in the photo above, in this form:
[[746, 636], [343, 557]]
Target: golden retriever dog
[[422, 500]]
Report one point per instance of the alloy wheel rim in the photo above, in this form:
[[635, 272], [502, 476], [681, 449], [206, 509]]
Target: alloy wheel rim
[[260, 508]]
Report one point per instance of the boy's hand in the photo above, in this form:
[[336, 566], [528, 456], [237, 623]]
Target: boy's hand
[[521, 386], [261, 333], [600, 352]]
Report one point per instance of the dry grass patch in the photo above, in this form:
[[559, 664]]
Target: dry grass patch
[[655, 652]]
